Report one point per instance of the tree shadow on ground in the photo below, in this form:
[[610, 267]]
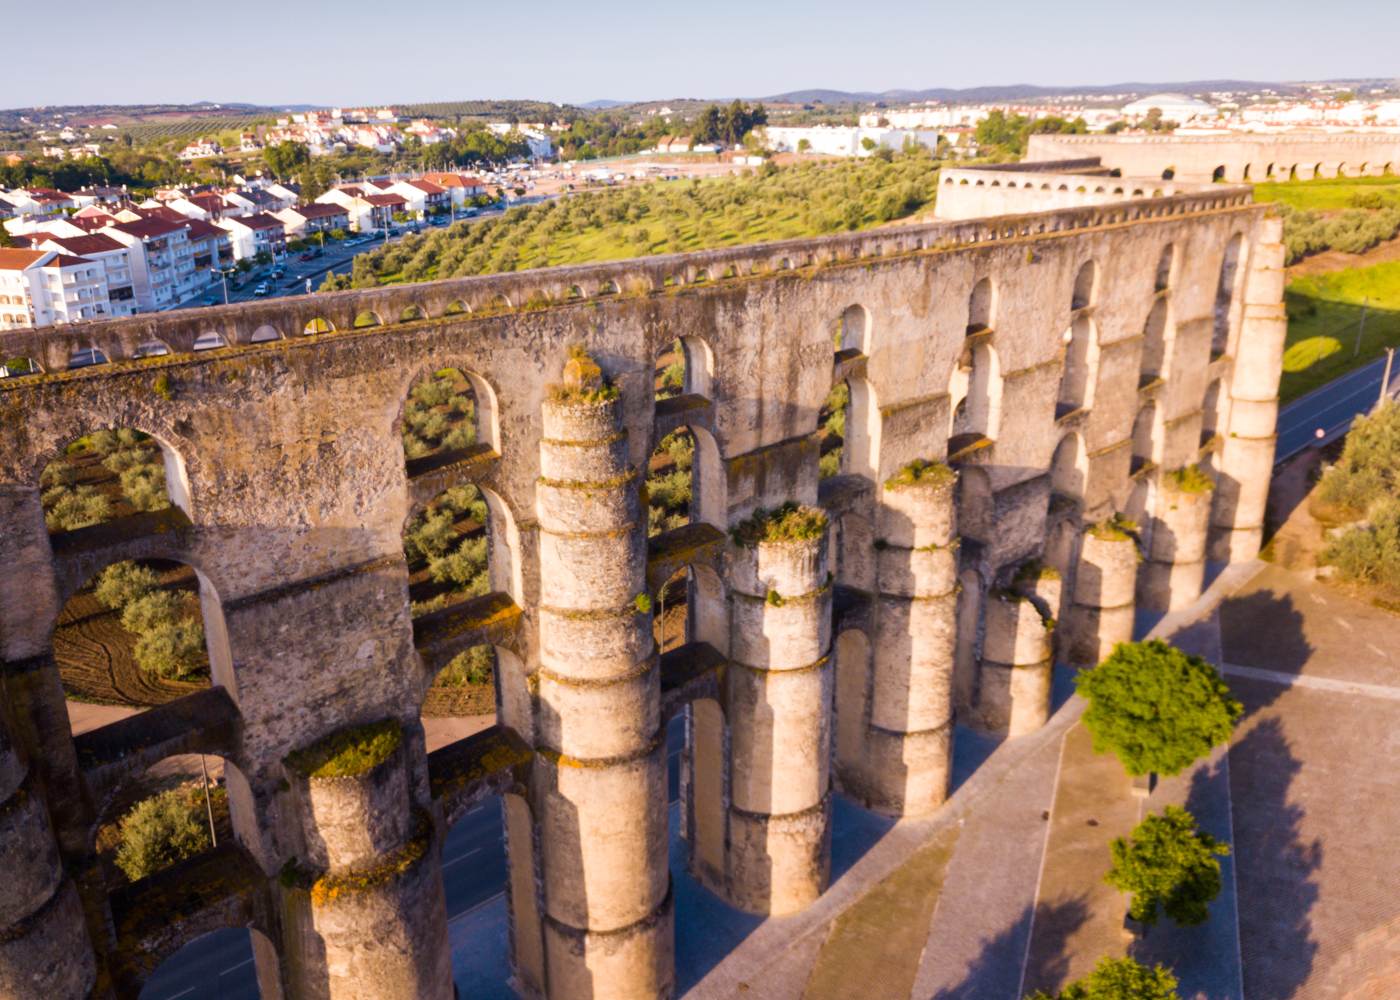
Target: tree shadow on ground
[[997, 974], [1275, 866]]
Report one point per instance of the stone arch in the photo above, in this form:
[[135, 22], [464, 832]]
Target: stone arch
[[86, 357], [1212, 410], [366, 318], [705, 608], [452, 387], [853, 666], [107, 461], [212, 340], [317, 324], [240, 943], [981, 306], [705, 743], [456, 308], [968, 648], [20, 367], [1069, 467], [975, 391], [699, 366], [263, 334], [503, 540], [1078, 366], [860, 445], [1084, 281], [608, 288], [151, 349], [853, 330], [1163, 279], [1169, 174], [412, 313], [1225, 294], [1293, 172], [1145, 436], [1269, 172], [1217, 175], [1155, 344], [1244, 176], [574, 294]]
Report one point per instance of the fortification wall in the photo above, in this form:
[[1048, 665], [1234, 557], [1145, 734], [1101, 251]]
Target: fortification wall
[[1011, 349], [1291, 156], [977, 192]]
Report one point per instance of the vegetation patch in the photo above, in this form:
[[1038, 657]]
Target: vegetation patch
[[1168, 866], [164, 829], [328, 888], [1116, 529], [105, 475], [1365, 484], [668, 489], [1190, 479], [446, 550], [921, 473], [1118, 979], [349, 752], [584, 381], [832, 421], [792, 522], [440, 415]]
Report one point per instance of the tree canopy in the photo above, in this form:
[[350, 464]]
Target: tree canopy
[[1169, 866], [1156, 707], [1118, 979]]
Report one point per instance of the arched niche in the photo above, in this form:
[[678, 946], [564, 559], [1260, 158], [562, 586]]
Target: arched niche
[[1069, 467], [445, 410], [109, 473], [1155, 344], [1081, 352], [853, 330], [1163, 278], [980, 307], [974, 391], [1084, 282], [1225, 294]]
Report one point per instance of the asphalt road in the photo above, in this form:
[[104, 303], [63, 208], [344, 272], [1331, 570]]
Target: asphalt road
[[1330, 408], [219, 966]]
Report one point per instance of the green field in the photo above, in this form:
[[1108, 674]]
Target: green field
[[1328, 194], [1324, 318], [771, 203]]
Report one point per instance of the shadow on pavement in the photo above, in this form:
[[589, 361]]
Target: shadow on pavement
[[994, 970]]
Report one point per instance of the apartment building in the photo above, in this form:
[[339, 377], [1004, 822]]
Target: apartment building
[[251, 235], [114, 257], [42, 287], [164, 271], [317, 217]]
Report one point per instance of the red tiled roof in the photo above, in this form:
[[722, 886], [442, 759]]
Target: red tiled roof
[[81, 245], [262, 220], [160, 212], [14, 259], [319, 210], [149, 227], [201, 230], [427, 187], [64, 260], [384, 200]]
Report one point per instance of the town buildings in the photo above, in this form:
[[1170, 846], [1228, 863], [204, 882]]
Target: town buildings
[[44, 287]]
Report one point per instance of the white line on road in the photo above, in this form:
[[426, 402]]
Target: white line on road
[[231, 968], [462, 857], [1316, 683]]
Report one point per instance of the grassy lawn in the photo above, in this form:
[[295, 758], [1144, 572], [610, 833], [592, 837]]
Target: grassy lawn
[[1324, 314], [1328, 194]]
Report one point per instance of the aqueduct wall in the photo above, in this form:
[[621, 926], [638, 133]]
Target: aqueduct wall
[[1289, 156], [1064, 365]]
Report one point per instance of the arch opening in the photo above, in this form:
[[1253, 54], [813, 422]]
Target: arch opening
[[975, 394], [1069, 467], [211, 340], [979, 307], [1077, 373], [318, 324], [853, 330], [1225, 296], [366, 318], [449, 410], [1144, 437], [109, 474], [231, 949], [1154, 344]]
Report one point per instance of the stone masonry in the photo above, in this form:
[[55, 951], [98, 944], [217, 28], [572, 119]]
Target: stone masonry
[[1035, 401]]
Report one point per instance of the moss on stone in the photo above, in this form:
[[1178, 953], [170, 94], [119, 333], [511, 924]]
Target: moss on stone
[[349, 752], [1116, 529], [792, 522], [583, 380], [1034, 571], [1190, 479], [328, 888], [921, 473]]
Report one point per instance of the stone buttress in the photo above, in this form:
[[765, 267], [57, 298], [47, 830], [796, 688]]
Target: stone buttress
[[1105, 581]]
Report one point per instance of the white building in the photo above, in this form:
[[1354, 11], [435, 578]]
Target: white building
[[1174, 107], [164, 269], [114, 257], [42, 287], [842, 140], [251, 235]]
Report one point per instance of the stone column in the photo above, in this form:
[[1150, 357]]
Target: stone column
[[1247, 454], [598, 792], [45, 950], [1101, 615], [1014, 694], [1175, 569], [364, 912], [901, 765], [778, 693]]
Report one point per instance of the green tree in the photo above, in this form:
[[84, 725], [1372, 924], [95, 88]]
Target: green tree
[[162, 830], [1156, 707], [284, 158], [1168, 865], [708, 126], [124, 582], [6, 240], [804, 145], [1118, 979]]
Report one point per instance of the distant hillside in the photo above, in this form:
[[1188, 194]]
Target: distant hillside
[[1016, 91]]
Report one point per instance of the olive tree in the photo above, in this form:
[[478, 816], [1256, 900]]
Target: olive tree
[[1170, 866], [1156, 707], [1118, 979]]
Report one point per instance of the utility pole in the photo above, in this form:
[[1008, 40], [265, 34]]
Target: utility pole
[[1361, 326], [208, 806]]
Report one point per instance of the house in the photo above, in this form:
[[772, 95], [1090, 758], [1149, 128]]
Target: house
[[200, 149], [198, 206], [250, 201], [424, 197], [251, 235], [316, 217], [367, 211], [461, 188], [164, 267], [211, 248], [287, 195], [43, 287], [114, 257]]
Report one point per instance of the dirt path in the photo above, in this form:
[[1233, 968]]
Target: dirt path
[[1336, 260]]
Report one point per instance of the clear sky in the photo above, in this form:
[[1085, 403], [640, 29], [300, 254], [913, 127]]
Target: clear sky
[[361, 52]]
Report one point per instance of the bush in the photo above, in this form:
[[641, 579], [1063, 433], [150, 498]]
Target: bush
[[1168, 865], [1157, 708], [1369, 469], [144, 487], [472, 668], [1118, 979], [124, 582], [792, 522], [171, 650], [1370, 552], [152, 610], [162, 830], [68, 509], [466, 567]]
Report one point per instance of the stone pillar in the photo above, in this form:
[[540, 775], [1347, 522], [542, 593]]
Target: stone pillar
[[1175, 569], [778, 693], [598, 793], [45, 950], [1101, 615], [1247, 454], [1017, 663], [900, 765], [363, 905]]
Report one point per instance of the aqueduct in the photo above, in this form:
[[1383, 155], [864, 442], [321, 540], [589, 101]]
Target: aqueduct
[[1028, 394]]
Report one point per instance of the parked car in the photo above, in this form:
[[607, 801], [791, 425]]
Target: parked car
[[277, 272], [261, 289], [306, 256]]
